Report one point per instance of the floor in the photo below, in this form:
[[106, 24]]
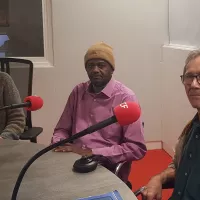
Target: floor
[[154, 162]]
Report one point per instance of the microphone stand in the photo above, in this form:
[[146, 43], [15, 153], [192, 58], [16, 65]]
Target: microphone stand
[[89, 130], [5, 107], [13, 106]]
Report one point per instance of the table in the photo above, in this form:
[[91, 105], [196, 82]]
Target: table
[[51, 176]]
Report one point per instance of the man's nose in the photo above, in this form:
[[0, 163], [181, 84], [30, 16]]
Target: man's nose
[[95, 69], [195, 83]]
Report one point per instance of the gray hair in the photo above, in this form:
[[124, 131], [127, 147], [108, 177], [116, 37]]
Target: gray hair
[[191, 56]]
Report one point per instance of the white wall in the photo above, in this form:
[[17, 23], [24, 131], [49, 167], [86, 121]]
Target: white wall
[[137, 30], [184, 27]]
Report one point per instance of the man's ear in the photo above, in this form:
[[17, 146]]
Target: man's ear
[[112, 70]]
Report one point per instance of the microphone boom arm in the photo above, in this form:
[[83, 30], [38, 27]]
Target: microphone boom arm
[[86, 131], [13, 106]]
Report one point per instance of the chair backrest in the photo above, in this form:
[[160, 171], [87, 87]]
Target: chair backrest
[[21, 71]]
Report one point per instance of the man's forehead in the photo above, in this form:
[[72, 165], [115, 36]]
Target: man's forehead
[[94, 60], [194, 65]]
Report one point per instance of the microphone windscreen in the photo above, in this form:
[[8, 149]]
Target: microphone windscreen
[[36, 103], [127, 113]]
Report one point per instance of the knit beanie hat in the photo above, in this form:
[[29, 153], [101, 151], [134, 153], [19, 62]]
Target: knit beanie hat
[[100, 50]]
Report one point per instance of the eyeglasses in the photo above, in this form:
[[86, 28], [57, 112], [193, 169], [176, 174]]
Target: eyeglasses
[[189, 78]]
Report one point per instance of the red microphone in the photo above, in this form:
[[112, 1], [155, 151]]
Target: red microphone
[[31, 103], [127, 113], [34, 103]]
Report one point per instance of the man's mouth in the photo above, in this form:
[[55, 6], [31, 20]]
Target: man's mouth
[[194, 95], [96, 77]]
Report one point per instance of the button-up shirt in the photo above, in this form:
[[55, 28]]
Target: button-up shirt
[[84, 109], [187, 180]]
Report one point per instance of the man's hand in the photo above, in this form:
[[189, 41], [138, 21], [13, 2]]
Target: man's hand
[[153, 190], [64, 148], [73, 148], [1, 137]]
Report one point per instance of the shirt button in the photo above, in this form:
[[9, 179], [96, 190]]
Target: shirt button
[[197, 136], [190, 155], [94, 99], [179, 193], [91, 115], [186, 173]]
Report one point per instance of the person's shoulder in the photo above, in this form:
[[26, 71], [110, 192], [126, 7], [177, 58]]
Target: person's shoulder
[[123, 89], [5, 78], [4, 75], [81, 87]]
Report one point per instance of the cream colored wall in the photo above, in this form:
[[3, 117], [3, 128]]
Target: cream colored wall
[[183, 25]]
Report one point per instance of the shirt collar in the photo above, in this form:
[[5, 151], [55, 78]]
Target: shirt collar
[[108, 90], [195, 119]]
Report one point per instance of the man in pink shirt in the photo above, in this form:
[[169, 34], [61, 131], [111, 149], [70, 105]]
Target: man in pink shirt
[[92, 102]]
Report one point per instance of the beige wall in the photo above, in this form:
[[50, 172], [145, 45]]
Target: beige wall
[[183, 15], [137, 30]]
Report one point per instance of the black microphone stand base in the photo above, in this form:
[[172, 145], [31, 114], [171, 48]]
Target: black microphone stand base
[[85, 164]]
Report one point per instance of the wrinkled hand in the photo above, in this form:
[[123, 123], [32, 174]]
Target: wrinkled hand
[[153, 190], [73, 148]]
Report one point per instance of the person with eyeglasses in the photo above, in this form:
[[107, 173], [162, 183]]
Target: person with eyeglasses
[[184, 171], [94, 101]]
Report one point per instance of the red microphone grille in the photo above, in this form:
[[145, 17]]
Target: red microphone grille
[[127, 113], [36, 103]]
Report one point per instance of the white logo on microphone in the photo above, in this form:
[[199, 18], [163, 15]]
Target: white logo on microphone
[[124, 105]]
